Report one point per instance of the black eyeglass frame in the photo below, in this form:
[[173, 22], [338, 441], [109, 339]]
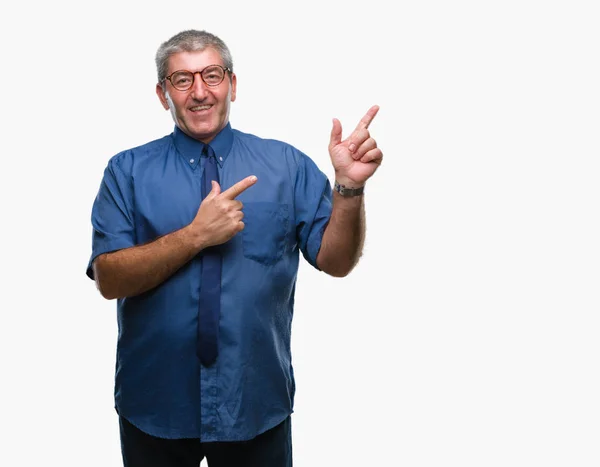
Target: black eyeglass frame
[[193, 73]]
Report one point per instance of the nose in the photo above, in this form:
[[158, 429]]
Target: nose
[[199, 89]]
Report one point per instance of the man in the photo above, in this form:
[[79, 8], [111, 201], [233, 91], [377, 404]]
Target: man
[[198, 235]]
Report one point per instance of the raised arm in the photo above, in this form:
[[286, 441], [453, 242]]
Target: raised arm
[[354, 160]]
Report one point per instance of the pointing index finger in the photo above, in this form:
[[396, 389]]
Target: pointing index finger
[[368, 118], [235, 190]]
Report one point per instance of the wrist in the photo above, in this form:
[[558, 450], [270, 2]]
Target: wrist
[[194, 238], [348, 191], [348, 182]]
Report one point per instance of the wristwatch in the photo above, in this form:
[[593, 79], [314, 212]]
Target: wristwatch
[[348, 192]]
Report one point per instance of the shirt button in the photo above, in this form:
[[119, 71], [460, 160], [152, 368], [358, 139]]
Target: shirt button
[[221, 159], [191, 161]]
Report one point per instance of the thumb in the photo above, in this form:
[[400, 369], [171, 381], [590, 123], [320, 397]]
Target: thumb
[[336, 133], [216, 188]]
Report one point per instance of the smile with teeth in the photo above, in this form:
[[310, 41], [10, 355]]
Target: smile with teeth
[[199, 108]]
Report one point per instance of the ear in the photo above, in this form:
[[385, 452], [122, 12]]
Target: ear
[[161, 96], [233, 86]]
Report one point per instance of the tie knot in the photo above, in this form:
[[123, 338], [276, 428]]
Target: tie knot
[[208, 151]]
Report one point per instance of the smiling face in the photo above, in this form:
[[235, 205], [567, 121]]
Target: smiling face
[[201, 111]]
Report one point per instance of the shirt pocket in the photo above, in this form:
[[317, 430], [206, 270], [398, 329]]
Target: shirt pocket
[[264, 234]]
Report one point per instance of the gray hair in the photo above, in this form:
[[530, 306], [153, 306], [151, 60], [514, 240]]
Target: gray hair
[[191, 40]]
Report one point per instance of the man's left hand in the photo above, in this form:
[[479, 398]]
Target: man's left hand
[[356, 158]]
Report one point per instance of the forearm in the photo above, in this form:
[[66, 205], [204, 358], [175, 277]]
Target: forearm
[[135, 270], [344, 236]]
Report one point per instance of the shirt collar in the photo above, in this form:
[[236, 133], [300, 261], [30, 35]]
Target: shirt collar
[[191, 149]]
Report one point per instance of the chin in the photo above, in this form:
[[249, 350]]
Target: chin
[[197, 131]]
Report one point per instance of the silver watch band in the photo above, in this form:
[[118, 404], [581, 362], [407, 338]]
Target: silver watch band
[[347, 192]]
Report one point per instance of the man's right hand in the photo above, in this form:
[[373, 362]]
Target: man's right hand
[[220, 215]]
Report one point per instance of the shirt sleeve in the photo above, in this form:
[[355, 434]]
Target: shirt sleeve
[[112, 214], [313, 205]]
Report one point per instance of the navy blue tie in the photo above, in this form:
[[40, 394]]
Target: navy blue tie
[[209, 306]]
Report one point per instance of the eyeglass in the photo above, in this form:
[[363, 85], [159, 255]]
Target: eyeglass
[[212, 75]]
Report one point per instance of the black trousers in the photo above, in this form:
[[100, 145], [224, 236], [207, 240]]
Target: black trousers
[[272, 448]]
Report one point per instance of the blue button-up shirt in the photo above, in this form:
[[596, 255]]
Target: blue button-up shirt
[[155, 189]]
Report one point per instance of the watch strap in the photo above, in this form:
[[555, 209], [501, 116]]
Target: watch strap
[[348, 192]]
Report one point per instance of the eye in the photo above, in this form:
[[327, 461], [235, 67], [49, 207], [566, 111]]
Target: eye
[[213, 75], [182, 80]]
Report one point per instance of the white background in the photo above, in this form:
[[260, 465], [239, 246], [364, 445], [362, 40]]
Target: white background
[[477, 294]]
